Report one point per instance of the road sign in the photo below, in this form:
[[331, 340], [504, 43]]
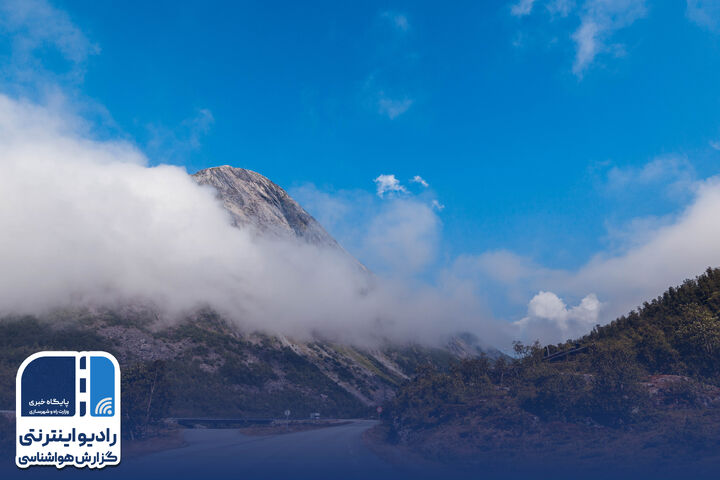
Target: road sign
[[379, 410], [287, 413]]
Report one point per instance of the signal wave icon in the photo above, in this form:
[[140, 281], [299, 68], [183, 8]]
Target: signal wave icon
[[104, 407], [102, 387]]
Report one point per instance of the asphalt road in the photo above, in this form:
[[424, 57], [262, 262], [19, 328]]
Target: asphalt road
[[336, 452], [332, 452]]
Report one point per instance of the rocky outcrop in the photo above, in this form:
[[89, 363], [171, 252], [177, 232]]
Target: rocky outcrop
[[255, 201]]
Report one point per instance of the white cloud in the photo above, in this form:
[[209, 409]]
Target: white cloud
[[399, 238], [403, 238], [672, 253], [395, 234], [392, 107], [35, 25], [587, 42], [663, 255], [128, 231], [637, 231], [522, 8], [550, 319], [86, 222], [388, 184], [560, 8], [437, 205], [420, 180], [705, 13], [714, 144], [674, 173], [598, 21]]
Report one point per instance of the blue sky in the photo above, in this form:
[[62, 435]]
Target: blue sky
[[553, 130], [510, 138]]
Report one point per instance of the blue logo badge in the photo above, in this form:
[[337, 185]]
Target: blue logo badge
[[68, 410]]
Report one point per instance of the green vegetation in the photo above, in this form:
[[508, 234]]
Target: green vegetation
[[145, 398], [22, 336], [650, 377], [224, 374], [677, 333], [205, 369]]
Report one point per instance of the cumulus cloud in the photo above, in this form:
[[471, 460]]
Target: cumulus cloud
[[549, 317], [388, 184]]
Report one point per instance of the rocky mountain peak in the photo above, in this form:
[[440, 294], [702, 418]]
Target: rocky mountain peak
[[254, 200]]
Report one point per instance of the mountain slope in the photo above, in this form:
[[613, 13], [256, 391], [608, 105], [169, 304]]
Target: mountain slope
[[211, 366], [640, 392], [678, 332], [213, 369], [255, 201]]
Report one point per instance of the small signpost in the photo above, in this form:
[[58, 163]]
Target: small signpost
[[287, 419], [379, 410]]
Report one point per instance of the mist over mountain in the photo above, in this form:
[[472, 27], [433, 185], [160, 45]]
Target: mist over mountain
[[91, 224], [221, 276]]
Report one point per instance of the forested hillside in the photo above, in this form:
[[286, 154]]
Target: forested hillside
[[642, 388], [677, 333]]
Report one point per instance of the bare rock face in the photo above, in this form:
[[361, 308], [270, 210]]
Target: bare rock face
[[255, 201]]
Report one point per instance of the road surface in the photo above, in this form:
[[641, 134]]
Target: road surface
[[225, 453], [336, 452]]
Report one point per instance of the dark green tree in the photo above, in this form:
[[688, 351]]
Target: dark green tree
[[616, 395], [145, 397]]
